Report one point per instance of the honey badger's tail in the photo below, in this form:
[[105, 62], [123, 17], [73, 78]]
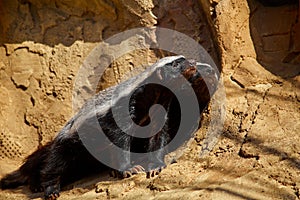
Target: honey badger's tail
[[29, 170]]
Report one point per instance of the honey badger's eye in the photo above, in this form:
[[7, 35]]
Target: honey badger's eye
[[192, 63]]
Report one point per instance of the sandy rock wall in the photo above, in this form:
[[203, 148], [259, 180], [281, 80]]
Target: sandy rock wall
[[43, 44], [262, 88], [188, 17]]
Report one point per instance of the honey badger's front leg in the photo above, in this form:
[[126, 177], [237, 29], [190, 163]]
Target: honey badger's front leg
[[158, 144], [122, 159]]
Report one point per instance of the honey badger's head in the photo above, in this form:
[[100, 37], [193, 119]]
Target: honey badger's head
[[202, 77]]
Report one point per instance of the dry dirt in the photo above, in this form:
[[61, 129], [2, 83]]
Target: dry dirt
[[44, 43]]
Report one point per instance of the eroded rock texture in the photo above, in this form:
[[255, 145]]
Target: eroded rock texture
[[43, 44]]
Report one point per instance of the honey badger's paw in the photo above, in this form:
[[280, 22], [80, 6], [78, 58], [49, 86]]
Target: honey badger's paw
[[155, 170], [52, 192], [36, 188], [35, 185], [128, 172]]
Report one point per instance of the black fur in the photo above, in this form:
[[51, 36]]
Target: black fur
[[65, 158]]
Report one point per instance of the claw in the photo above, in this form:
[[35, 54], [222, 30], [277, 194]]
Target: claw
[[52, 192], [127, 173], [52, 196], [155, 171]]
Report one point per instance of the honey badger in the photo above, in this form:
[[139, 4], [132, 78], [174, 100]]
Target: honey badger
[[66, 157]]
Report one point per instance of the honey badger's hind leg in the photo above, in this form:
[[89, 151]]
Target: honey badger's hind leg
[[63, 152], [33, 165], [28, 173]]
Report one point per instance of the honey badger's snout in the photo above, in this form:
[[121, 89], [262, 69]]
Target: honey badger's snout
[[194, 71], [206, 70]]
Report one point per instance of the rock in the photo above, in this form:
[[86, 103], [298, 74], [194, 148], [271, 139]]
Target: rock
[[22, 79], [250, 73]]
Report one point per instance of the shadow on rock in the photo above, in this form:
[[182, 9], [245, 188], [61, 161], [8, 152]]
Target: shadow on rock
[[275, 31]]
